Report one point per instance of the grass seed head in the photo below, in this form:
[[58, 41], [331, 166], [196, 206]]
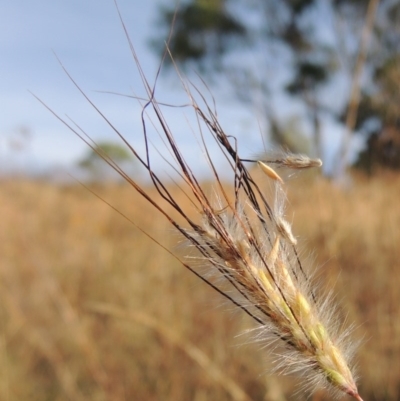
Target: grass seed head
[[247, 246], [289, 160]]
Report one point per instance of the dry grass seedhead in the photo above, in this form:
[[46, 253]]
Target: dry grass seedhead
[[246, 245], [291, 160]]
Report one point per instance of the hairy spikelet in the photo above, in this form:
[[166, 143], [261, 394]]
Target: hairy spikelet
[[259, 260], [249, 251], [291, 160]]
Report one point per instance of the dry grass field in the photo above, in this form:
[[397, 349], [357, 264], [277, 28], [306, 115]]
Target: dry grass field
[[92, 309]]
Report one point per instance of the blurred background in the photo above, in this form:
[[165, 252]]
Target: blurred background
[[90, 307]]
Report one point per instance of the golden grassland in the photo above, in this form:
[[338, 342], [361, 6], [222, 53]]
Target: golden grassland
[[92, 309]]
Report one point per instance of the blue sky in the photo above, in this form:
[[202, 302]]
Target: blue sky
[[88, 38]]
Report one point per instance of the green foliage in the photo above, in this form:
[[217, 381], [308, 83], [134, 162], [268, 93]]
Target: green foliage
[[383, 146], [202, 28], [387, 98], [308, 75], [107, 149], [93, 161], [213, 34]]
